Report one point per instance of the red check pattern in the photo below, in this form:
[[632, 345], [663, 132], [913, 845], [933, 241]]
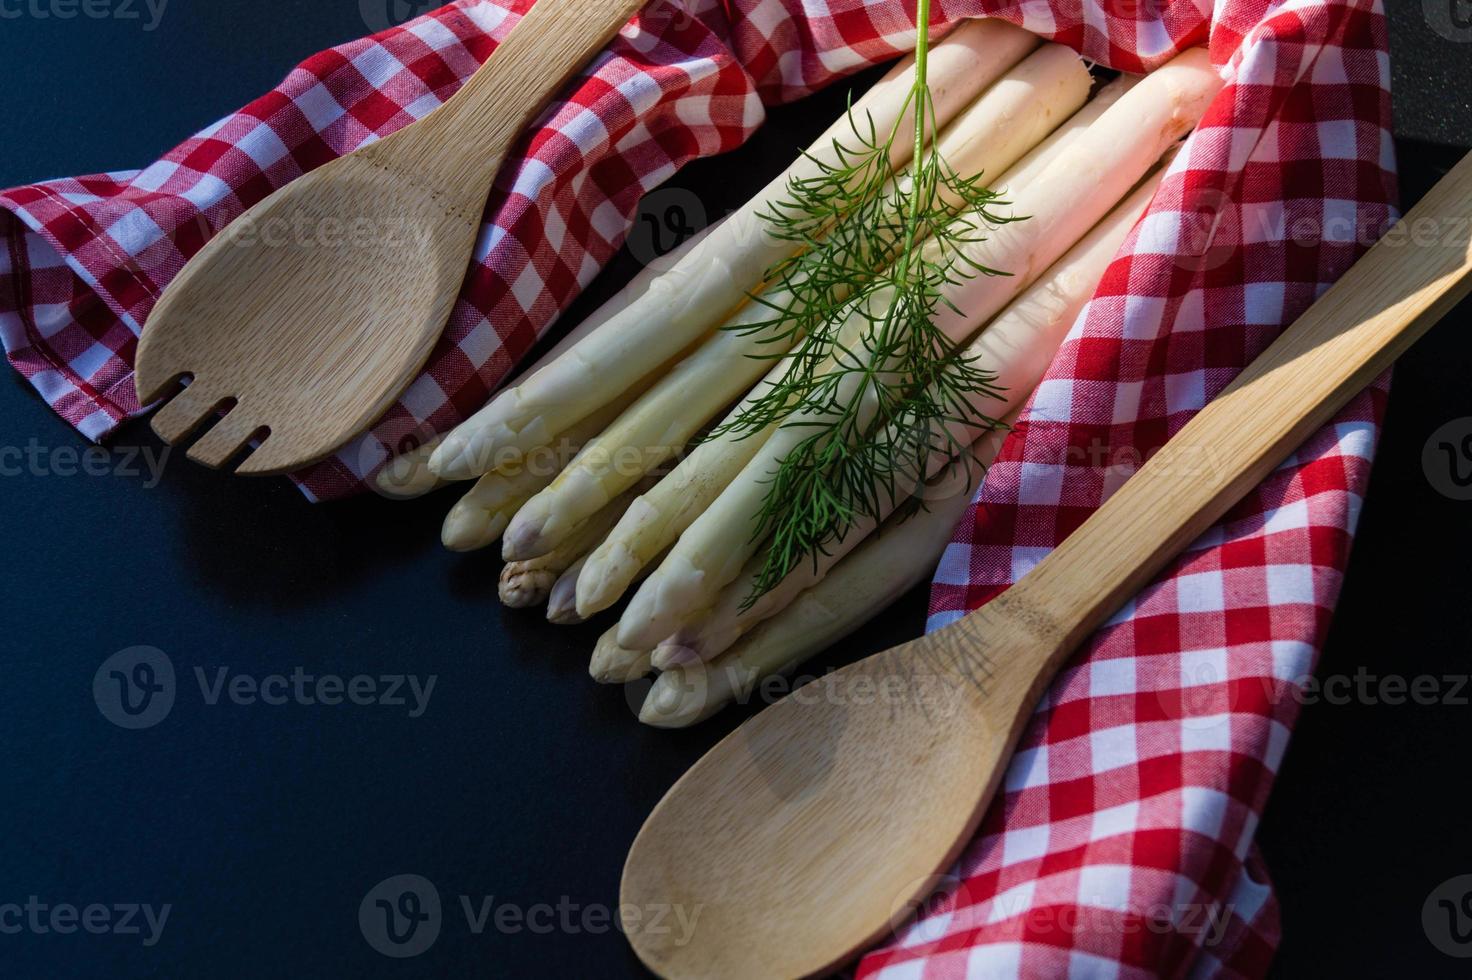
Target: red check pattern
[[1123, 843]]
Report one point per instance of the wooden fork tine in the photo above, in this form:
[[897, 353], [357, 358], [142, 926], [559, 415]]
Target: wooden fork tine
[[184, 413], [216, 446]]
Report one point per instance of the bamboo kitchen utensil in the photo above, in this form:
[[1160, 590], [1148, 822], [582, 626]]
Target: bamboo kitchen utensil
[[807, 832], [308, 315]]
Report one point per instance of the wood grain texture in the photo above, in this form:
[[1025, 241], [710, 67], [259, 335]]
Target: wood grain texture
[[309, 314], [805, 835]]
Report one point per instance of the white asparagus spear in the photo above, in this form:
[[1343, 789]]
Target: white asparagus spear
[[1082, 183], [1086, 180], [880, 571], [654, 521], [713, 279], [562, 603], [1026, 170], [478, 519], [1008, 120], [562, 600], [408, 475], [613, 664], [528, 583], [1018, 345]]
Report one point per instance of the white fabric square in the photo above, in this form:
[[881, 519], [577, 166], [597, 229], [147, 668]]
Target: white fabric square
[[1203, 668], [1115, 675], [320, 108], [1290, 583], [1122, 819], [1105, 886], [1024, 844], [1113, 747], [1262, 302], [87, 363], [1029, 767], [263, 146], [1200, 592], [1207, 734], [1203, 810], [1337, 139]]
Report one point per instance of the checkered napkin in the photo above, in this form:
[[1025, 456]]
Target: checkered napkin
[[1123, 842], [83, 261]]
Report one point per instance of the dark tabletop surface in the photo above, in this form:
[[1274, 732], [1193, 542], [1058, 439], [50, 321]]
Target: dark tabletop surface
[[519, 786]]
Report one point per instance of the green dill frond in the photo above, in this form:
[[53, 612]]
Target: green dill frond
[[853, 311]]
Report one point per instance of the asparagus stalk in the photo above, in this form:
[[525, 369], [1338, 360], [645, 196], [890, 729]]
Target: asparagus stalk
[[1007, 121], [528, 583], [1081, 184], [1026, 170], [654, 521], [712, 280], [1018, 345], [1086, 180], [408, 475], [881, 570]]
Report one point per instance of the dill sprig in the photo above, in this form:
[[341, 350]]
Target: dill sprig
[[869, 372]]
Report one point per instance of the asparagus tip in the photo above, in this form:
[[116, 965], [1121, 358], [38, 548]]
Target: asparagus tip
[[561, 604], [470, 530], [613, 664], [674, 653], [521, 588], [442, 462], [407, 476], [524, 539], [669, 705]]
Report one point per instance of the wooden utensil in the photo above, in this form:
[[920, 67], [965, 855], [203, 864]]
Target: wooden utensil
[[307, 316], [804, 835]]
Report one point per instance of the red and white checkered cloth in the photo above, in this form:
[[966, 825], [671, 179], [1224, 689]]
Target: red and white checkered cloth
[[1123, 844]]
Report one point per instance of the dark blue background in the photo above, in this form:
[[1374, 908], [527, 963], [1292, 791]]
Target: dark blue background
[[264, 827]]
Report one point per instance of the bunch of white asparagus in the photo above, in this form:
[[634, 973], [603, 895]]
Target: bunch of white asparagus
[[593, 472]]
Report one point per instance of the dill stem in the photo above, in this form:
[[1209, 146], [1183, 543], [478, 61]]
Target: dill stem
[[922, 98]]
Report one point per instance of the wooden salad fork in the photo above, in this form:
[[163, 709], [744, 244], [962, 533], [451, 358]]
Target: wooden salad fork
[[309, 314], [807, 834]]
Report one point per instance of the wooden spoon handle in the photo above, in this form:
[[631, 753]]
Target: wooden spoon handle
[[1353, 333], [467, 138]]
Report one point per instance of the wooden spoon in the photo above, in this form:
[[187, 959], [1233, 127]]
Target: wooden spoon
[[310, 313], [806, 835]]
